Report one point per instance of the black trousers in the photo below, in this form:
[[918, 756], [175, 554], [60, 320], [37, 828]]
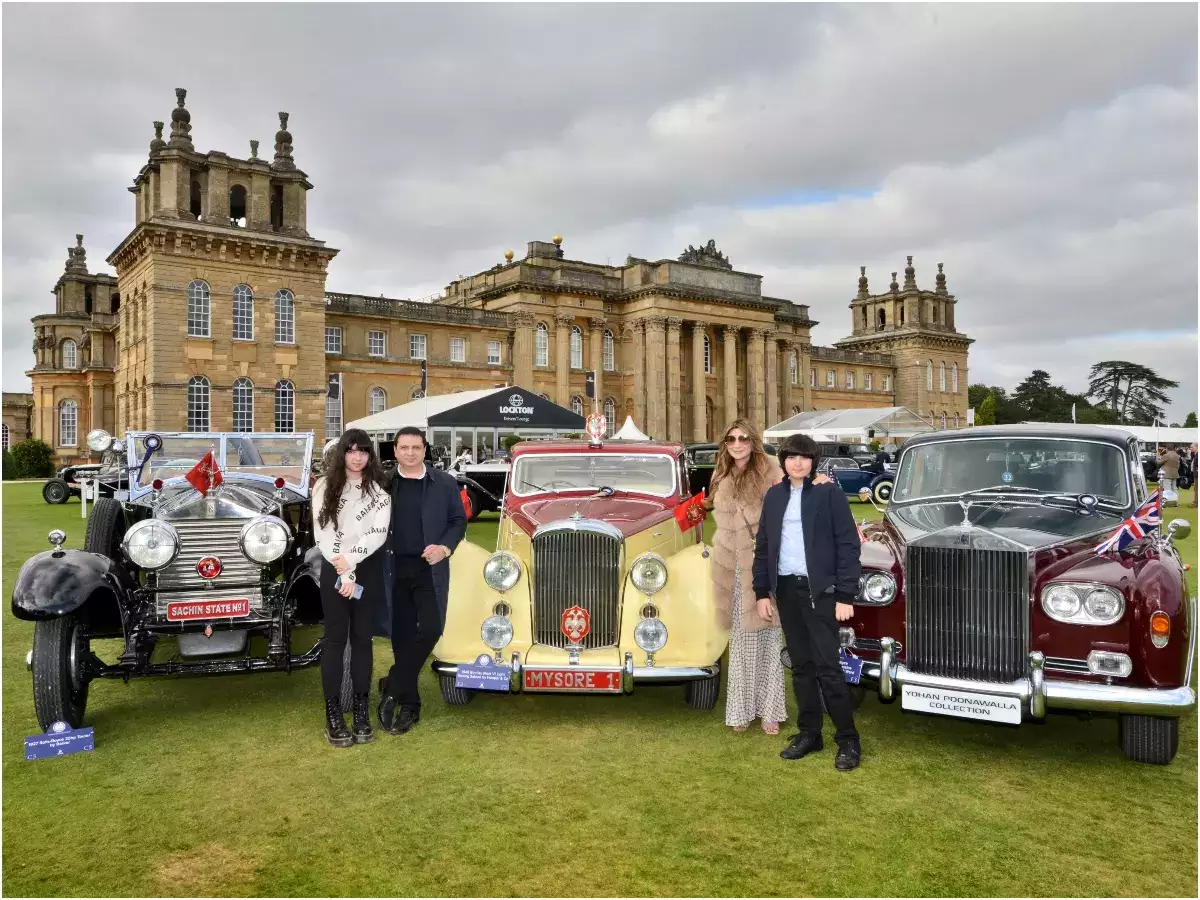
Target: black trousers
[[349, 619], [417, 625], [811, 632]]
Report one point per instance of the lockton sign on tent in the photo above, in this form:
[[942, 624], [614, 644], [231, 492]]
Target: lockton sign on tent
[[507, 407]]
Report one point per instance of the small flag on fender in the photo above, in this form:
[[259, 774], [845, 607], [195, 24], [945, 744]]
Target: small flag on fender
[[206, 474], [466, 501], [691, 512]]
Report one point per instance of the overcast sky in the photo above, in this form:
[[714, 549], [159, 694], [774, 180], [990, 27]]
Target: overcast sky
[[1045, 153]]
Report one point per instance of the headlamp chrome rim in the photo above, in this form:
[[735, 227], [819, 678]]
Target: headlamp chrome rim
[[884, 584], [244, 542], [130, 547], [99, 440], [502, 583], [1072, 603], [637, 573], [657, 637], [501, 631]]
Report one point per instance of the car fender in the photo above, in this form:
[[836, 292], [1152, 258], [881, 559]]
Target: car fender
[[471, 601], [56, 582]]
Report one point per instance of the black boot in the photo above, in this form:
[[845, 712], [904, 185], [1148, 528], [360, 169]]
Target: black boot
[[335, 724], [362, 719]]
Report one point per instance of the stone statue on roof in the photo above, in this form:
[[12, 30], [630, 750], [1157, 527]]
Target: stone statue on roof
[[707, 255]]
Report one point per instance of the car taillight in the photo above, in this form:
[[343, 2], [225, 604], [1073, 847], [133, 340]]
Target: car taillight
[[1160, 629]]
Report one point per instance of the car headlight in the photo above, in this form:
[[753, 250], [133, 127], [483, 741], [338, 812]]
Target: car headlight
[[1083, 604], [497, 632], [501, 572], [265, 539], [649, 574], [151, 544], [99, 440], [650, 635], [877, 587]]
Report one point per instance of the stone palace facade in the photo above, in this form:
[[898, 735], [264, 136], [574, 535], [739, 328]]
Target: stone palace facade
[[219, 319]]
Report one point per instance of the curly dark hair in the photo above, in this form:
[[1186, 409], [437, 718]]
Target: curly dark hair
[[373, 476]]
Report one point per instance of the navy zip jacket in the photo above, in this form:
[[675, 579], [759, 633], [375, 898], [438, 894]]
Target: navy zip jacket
[[831, 543]]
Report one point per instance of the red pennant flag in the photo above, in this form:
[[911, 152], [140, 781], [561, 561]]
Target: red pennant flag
[[206, 474], [466, 501], [691, 512]]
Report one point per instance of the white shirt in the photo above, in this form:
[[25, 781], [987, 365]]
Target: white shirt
[[792, 559]]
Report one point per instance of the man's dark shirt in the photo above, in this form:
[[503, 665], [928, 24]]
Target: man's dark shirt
[[409, 541]]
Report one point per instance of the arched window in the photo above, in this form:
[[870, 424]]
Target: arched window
[[935, 309], [541, 345], [793, 369], [882, 320], [70, 358], [243, 313], [544, 396], [415, 394], [237, 206], [576, 347], [795, 410], [199, 314], [942, 382], [285, 317], [929, 375], [707, 356], [198, 403], [5, 438], [285, 407], [901, 315], [378, 400], [954, 380], [243, 405], [610, 415], [943, 421], [68, 423], [577, 406], [956, 420], [610, 361], [196, 198]]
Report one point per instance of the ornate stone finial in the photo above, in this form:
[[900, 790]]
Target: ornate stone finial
[[508, 255], [283, 145], [77, 257], [557, 240], [707, 255], [181, 123], [253, 151], [941, 280], [862, 282], [895, 286], [910, 275], [158, 143]]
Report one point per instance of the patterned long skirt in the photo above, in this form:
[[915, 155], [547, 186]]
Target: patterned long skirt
[[755, 687]]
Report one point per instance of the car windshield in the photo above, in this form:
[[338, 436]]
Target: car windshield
[[1013, 465], [270, 456], [639, 473]]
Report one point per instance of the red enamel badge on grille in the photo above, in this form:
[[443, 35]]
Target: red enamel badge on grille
[[209, 567], [576, 623]]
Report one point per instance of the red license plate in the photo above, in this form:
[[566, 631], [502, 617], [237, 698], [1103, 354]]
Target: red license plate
[[207, 609], [573, 680]]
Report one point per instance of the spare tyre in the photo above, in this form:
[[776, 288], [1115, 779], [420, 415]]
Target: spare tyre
[[56, 491]]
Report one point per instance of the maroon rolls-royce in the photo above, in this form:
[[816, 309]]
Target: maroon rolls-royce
[[984, 595]]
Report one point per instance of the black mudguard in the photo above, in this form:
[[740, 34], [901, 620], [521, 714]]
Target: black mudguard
[[54, 583]]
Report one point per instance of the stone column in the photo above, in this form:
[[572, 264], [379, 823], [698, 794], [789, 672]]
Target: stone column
[[754, 377], [522, 349], [772, 415], [806, 384], [729, 334], [699, 383], [656, 364], [562, 359], [674, 400], [639, 373], [596, 358], [786, 404]]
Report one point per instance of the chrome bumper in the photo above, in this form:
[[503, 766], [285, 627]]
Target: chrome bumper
[[630, 674], [1036, 692]]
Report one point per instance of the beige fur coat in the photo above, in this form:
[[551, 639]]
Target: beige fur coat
[[733, 545]]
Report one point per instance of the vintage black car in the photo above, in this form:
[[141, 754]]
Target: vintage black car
[[206, 571], [109, 475], [702, 461]]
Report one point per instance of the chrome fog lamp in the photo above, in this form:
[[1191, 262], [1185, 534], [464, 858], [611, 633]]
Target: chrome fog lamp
[[650, 635], [496, 632], [151, 544], [1104, 605], [1061, 602], [265, 539], [501, 572], [1103, 662], [878, 588], [649, 574], [99, 440]]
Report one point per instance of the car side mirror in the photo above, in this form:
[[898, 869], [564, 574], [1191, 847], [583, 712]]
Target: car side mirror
[[864, 494], [1179, 529]]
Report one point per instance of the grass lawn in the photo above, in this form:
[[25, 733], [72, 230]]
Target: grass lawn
[[225, 786]]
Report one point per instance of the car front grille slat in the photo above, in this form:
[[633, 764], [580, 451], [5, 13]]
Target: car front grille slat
[[576, 567], [967, 613], [209, 537]]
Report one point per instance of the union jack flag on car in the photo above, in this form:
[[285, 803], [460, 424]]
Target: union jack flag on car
[[1145, 519]]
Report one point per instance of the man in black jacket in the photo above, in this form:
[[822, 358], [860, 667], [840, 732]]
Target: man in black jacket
[[427, 525], [806, 555]]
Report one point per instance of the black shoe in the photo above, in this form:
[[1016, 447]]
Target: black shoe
[[802, 745], [406, 720], [335, 724], [387, 712], [362, 719], [849, 755]]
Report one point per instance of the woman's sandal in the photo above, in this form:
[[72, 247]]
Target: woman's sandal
[[740, 729], [770, 727]]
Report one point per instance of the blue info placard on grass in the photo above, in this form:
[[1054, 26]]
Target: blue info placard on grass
[[482, 678], [60, 739]]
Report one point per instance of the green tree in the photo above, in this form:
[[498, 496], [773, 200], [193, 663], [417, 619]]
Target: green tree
[[1041, 401], [1135, 394], [8, 468], [986, 414], [1190, 421], [1007, 410], [33, 459]]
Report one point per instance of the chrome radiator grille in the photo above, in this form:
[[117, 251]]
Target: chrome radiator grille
[[199, 538], [576, 567], [968, 613]]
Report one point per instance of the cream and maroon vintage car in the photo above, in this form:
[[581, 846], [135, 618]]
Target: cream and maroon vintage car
[[593, 587]]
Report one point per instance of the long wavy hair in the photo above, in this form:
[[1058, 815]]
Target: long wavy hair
[[373, 476], [755, 478]]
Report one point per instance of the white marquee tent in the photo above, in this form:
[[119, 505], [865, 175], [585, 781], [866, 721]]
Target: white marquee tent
[[1147, 434], [854, 424]]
